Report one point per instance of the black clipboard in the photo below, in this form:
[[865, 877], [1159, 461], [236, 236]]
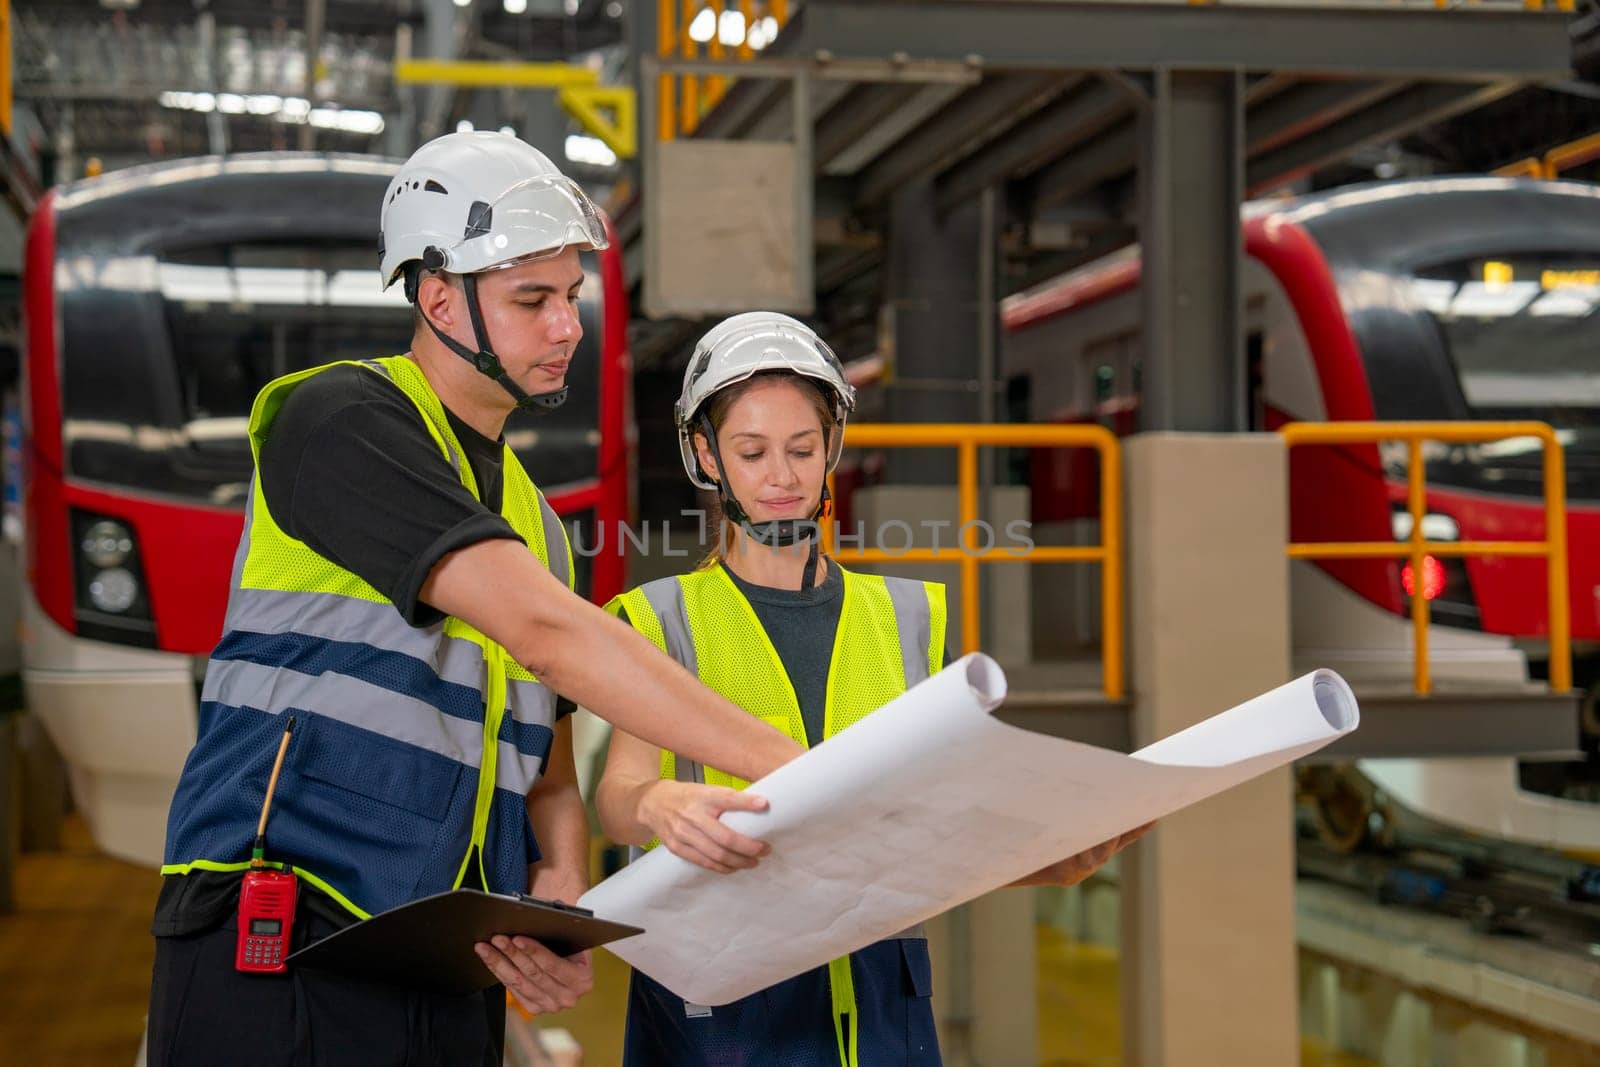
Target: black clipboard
[[427, 944]]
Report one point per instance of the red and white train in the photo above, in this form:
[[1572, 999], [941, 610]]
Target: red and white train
[[1453, 299], [157, 301]]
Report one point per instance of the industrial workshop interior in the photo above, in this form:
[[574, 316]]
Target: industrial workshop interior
[[484, 480]]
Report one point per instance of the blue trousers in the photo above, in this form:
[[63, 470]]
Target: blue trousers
[[791, 1024]]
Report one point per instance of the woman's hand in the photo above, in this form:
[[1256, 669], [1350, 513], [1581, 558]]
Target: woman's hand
[[1075, 869], [684, 816]]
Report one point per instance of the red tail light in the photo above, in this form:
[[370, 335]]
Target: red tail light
[[1433, 578]]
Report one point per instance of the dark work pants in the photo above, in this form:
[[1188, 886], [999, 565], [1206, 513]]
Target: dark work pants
[[203, 1013], [791, 1024]]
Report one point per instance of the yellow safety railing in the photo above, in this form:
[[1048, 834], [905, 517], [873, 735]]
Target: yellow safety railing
[[1553, 548], [1560, 158], [683, 98], [1529, 5], [967, 439]]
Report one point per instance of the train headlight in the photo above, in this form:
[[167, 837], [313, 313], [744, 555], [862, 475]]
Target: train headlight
[[113, 590], [107, 543], [1435, 526]]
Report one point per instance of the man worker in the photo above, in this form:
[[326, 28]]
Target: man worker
[[403, 590]]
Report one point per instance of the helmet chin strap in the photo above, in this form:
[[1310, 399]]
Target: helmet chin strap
[[774, 533], [484, 359]]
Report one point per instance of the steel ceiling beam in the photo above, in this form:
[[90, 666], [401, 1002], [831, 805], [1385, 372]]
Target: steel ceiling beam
[[982, 113], [1287, 121], [1388, 120], [926, 102], [1112, 154], [839, 267], [747, 102], [1265, 86], [1051, 132], [1037, 269], [1311, 106], [1471, 45], [854, 116]]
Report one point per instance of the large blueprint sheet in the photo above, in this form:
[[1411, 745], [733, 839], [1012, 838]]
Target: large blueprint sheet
[[928, 803]]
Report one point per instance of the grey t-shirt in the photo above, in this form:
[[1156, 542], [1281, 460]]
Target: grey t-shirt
[[802, 627]]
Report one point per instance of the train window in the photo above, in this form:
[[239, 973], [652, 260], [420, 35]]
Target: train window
[[239, 315], [1522, 333], [1105, 382], [160, 370], [162, 354]]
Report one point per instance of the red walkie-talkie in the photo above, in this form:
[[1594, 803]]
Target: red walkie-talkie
[[267, 897]]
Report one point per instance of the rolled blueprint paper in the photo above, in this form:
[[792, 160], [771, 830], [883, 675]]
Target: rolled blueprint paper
[[926, 804]]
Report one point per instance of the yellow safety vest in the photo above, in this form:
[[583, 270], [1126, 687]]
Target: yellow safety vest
[[416, 746]]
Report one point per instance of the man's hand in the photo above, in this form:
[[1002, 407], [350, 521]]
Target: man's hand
[[541, 981], [684, 815], [1075, 869]]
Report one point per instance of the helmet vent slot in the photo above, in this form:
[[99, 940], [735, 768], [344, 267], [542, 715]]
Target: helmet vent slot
[[435, 187], [480, 217]]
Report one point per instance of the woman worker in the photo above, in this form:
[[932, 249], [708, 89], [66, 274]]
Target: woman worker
[[780, 630]]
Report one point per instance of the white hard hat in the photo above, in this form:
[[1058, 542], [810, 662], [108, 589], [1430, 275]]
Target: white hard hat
[[468, 202], [743, 346]]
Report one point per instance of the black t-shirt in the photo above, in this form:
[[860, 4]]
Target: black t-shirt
[[349, 468]]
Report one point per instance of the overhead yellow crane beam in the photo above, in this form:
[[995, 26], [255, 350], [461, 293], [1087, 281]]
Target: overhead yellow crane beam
[[607, 111], [478, 74]]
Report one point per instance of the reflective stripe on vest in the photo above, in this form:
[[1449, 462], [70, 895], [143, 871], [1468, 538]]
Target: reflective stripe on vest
[[890, 637], [419, 744]]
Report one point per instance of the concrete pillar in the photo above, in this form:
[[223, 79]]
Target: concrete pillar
[[984, 977], [1208, 958], [1005, 1017]]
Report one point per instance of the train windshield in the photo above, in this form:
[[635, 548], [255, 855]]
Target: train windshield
[[163, 356], [1523, 335], [240, 315]]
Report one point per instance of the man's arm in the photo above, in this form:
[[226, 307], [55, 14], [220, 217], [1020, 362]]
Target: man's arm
[[560, 825], [539, 979], [602, 663]]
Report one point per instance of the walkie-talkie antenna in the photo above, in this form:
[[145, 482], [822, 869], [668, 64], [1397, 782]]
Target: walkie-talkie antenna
[[259, 851]]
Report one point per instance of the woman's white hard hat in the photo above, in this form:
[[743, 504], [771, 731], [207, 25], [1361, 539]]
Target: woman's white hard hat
[[743, 346]]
